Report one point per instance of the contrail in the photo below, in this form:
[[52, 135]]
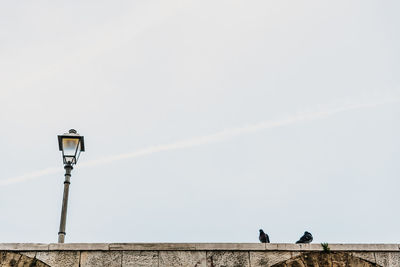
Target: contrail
[[29, 176], [207, 139], [232, 132]]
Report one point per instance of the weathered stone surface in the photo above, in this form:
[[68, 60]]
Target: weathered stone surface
[[59, 258], [230, 246], [364, 247], [183, 258], [195, 246], [25, 261], [23, 246], [152, 246], [9, 258], [79, 246], [140, 258], [321, 259], [303, 247], [30, 254], [268, 258], [368, 256], [317, 259], [228, 258], [387, 259], [198, 254], [295, 253], [333, 247], [12, 259], [101, 258]]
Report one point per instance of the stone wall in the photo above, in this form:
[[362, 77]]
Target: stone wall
[[198, 255]]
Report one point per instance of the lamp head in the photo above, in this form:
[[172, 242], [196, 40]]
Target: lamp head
[[71, 144]]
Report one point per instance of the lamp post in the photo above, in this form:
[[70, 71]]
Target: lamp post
[[71, 144]]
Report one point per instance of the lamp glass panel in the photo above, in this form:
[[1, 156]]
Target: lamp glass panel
[[70, 146], [78, 153]]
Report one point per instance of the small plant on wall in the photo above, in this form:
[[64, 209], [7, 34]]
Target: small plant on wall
[[325, 247]]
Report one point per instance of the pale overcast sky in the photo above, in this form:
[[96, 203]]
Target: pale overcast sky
[[203, 120]]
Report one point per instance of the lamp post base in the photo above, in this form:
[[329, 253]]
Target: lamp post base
[[61, 237]]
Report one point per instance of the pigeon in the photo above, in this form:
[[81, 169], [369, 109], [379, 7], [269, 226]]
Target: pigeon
[[305, 239], [264, 238]]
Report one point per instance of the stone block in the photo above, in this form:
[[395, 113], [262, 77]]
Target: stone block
[[12, 259], [230, 246], [24, 246], [364, 247], [9, 258], [271, 246], [269, 258], [322, 259], [368, 256], [152, 246], [79, 246], [387, 259], [293, 247], [59, 258], [30, 254], [25, 261], [295, 253], [101, 258], [140, 258], [304, 247], [183, 258], [228, 258]]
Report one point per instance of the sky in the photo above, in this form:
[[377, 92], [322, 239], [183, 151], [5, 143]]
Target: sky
[[204, 121]]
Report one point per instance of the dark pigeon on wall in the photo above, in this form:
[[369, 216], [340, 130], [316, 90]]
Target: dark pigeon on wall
[[305, 239], [263, 237]]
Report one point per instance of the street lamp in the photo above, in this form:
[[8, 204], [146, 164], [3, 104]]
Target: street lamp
[[71, 144]]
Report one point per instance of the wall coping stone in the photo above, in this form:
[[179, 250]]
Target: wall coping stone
[[194, 247], [24, 246]]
